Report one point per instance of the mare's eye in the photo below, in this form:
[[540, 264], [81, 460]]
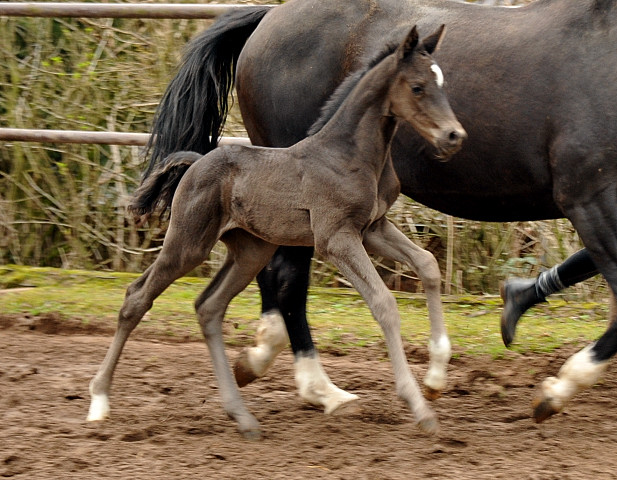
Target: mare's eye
[[417, 90]]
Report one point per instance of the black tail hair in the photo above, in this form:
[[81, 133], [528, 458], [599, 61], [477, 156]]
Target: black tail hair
[[157, 191], [194, 106]]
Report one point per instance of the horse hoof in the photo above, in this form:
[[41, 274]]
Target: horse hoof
[[431, 393], [253, 434], [429, 425], [351, 407], [242, 370], [543, 409], [508, 319], [518, 296]]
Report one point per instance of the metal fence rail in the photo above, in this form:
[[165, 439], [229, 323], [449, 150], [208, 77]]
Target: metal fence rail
[[106, 10], [115, 10], [87, 137]]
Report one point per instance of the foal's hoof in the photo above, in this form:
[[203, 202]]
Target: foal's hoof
[[242, 370], [543, 408], [431, 393], [252, 434], [429, 425]]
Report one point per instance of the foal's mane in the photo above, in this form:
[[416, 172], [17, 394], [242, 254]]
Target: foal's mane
[[331, 105]]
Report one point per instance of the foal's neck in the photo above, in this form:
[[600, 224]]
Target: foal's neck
[[363, 120]]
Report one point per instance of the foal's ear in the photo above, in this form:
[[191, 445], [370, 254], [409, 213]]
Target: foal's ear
[[432, 42], [406, 48]]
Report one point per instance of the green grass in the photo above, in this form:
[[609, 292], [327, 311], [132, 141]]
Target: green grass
[[339, 317]]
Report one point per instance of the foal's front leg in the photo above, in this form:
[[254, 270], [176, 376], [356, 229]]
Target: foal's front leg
[[346, 252], [384, 239]]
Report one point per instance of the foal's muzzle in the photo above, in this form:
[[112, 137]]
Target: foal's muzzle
[[450, 142]]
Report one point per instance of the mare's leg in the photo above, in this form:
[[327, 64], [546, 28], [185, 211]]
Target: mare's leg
[[179, 256], [520, 294], [284, 285], [595, 219], [346, 252], [386, 240], [247, 255]]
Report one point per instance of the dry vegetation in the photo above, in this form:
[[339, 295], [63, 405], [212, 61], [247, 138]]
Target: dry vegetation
[[63, 205]]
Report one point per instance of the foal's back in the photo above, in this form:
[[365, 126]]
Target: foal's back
[[257, 189]]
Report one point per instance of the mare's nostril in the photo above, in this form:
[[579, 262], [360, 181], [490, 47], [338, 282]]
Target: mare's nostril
[[453, 137]]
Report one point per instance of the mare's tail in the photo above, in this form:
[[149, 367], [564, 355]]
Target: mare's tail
[[194, 107], [158, 189]]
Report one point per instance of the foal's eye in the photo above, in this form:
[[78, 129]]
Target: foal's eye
[[417, 90]]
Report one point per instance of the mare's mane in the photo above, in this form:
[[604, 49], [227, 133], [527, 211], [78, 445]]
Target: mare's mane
[[331, 105]]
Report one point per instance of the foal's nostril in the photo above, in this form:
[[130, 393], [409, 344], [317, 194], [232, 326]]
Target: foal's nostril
[[455, 137]]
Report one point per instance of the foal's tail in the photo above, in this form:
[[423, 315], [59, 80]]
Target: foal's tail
[[157, 191], [194, 106]]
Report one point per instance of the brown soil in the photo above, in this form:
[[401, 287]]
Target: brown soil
[[167, 421]]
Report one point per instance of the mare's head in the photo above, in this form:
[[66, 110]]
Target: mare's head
[[417, 95]]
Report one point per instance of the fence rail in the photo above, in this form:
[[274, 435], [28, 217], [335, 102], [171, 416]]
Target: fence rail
[[116, 10], [88, 137], [106, 10]]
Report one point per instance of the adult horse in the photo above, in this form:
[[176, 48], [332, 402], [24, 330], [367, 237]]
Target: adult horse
[[533, 86]]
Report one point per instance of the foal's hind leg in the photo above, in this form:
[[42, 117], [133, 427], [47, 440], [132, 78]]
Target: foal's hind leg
[[175, 260], [347, 253], [384, 239], [247, 255]]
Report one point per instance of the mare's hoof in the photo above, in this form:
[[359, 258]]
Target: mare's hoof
[[242, 370], [518, 295], [431, 393], [351, 407], [429, 425], [543, 409]]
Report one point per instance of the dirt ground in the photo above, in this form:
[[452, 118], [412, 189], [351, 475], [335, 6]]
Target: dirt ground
[[167, 421]]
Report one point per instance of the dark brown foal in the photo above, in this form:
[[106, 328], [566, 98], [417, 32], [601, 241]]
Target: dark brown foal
[[255, 199]]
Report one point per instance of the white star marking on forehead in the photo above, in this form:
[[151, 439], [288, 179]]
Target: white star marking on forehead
[[438, 73]]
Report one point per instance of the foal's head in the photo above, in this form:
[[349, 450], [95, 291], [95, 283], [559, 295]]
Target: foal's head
[[417, 95]]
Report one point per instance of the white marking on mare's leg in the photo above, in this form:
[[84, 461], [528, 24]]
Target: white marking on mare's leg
[[315, 387], [271, 339], [440, 353], [579, 372], [438, 73]]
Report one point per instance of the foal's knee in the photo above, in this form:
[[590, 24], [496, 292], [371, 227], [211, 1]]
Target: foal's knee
[[428, 270]]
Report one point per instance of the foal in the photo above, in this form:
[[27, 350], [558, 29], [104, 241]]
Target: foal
[[255, 199]]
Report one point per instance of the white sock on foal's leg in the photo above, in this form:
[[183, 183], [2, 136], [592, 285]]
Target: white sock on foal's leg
[[315, 387], [99, 407], [436, 376]]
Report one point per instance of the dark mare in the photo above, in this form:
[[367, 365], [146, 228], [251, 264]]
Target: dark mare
[[330, 190], [534, 87]]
